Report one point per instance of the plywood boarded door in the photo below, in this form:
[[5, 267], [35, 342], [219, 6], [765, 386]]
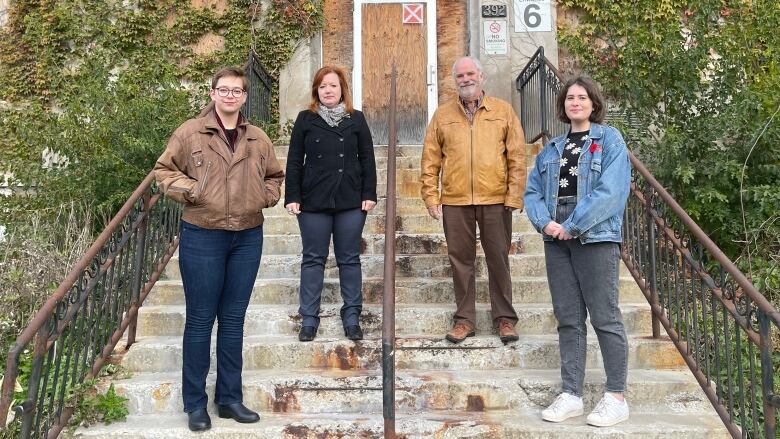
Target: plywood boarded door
[[386, 39]]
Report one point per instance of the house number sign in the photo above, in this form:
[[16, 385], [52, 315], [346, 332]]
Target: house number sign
[[533, 16], [492, 11]]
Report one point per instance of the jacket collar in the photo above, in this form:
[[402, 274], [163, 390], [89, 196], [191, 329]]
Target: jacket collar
[[596, 132], [219, 144], [343, 125]]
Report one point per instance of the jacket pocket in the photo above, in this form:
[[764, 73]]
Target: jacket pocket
[[310, 176], [594, 174], [203, 184]]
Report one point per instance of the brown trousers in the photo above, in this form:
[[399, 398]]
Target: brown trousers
[[495, 230]]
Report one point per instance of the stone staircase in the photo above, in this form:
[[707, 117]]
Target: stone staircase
[[332, 387]]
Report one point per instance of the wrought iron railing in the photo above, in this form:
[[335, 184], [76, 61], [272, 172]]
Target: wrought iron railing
[[259, 99], [75, 331], [720, 323], [538, 84]]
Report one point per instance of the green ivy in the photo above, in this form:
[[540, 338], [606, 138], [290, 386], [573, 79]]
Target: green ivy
[[704, 78], [105, 83]]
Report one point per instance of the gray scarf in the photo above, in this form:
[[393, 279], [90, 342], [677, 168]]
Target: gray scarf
[[332, 116]]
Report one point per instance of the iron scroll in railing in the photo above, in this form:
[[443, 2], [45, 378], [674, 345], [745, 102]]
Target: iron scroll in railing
[[78, 327], [720, 323]]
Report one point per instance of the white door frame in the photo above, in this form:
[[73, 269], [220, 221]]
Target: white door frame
[[431, 69]]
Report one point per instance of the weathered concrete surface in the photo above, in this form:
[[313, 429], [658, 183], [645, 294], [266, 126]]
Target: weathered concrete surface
[[284, 291], [337, 391], [161, 354], [281, 223], [534, 319], [282, 266], [506, 424], [405, 243]]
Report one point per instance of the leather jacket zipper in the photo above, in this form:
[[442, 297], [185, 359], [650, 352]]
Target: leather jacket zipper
[[205, 179]]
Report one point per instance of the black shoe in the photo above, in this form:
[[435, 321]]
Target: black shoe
[[239, 412], [198, 420], [307, 333], [353, 332]]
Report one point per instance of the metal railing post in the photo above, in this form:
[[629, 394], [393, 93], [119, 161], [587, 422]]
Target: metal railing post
[[138, 266], [653, 271], [543, 92], [771, 401], [28, 407], [388, 293]]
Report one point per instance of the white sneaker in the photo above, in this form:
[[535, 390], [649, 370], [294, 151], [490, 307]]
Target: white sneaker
[[609, 411], [564, 407]]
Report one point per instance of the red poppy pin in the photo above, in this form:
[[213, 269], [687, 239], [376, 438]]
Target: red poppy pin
[[594, 147]]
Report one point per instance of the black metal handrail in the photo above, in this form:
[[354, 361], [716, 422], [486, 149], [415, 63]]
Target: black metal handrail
[[720, 323], [259, 99], [75, 331], [538, 84]]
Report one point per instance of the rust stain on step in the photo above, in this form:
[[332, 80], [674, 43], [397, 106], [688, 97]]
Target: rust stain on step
[[285, 400], [475, 403], [162, 391]]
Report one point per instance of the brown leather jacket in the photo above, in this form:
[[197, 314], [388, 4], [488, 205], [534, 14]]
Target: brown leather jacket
[[479, 164], [220, 189]]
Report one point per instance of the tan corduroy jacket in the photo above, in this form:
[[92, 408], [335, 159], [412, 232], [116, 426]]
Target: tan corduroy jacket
[[220, 189], [477, 164]]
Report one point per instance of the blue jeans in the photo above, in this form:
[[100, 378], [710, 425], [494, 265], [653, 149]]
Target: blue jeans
[[583, 280], [346, 226], [218, 269]]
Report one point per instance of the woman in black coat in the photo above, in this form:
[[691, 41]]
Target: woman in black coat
[[330, 186]]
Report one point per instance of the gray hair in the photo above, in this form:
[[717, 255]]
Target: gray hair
[[470, 58]]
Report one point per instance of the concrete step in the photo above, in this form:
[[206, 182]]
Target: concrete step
[[282, 266], [484, 352], [509, 424], [285, 266], [337, 391], [405, 243], [404, 206], [431, 319], [525, 289], [281, 223]]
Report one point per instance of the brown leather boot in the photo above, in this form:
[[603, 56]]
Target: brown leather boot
[[506, 331], [460, 331]]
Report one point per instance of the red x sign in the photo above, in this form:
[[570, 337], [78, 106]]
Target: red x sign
[[413, 13]]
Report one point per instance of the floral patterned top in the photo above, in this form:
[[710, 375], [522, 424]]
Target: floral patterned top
[[567, 185]]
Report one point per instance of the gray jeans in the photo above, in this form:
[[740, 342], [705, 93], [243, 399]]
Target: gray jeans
[[584, 280]]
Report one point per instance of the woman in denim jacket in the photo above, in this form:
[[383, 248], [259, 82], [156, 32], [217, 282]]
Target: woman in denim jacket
[[575, 197]]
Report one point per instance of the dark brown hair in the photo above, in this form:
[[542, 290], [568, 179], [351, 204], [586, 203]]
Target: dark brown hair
[[594, 93], [346, 97], [229, 72]]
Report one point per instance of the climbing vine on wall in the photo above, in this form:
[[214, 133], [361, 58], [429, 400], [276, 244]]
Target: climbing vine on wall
[[93, 88]]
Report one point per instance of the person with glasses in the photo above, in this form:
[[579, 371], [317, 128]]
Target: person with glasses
[[225, 172], [576, 196], [330, 187]]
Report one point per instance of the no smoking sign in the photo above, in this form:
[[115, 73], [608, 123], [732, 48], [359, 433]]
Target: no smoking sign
[[496, 42]]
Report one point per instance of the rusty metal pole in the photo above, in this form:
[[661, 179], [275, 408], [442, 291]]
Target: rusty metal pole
[[388, 293]]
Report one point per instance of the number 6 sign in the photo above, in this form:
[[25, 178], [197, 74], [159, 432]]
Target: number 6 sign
[[533, 16]]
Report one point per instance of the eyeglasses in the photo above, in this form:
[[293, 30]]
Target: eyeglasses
[[224, 92]]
